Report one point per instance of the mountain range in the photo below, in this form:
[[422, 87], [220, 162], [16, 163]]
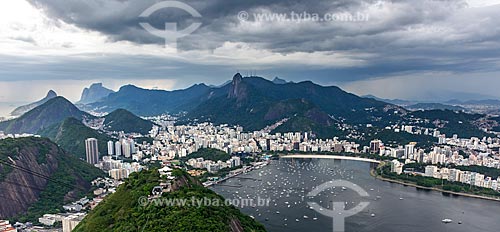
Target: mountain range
[[25, 108], [485, 101], [491, 102], [254, 103], [146, 102], [398, 102], [434, 106], [52, 113], [279, 81], [49, 113]]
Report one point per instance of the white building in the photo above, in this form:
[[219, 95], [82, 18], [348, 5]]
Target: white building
[[127, 152], [111, 148], [455, 175], [70, 222], [92, 150], [409, 150], [431, 171], [118, 148], [396, 167]]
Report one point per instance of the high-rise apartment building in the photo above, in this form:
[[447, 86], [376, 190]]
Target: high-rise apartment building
[[92, 150]]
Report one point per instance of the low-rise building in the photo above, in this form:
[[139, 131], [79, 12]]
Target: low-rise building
[[5, 226]]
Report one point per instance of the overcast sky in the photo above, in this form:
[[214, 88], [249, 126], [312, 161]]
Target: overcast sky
[[409, 49]]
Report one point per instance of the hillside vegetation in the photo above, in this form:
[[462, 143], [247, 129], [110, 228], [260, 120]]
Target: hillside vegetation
[[209, 154], [71, 134], [123, 120], [122, 212], [38, 177]]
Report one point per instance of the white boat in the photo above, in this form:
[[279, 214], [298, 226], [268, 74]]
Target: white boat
[[372, 215], [315, 219], [447, 220], [306, 217]]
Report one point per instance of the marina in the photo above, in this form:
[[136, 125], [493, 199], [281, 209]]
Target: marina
[[287, 182]]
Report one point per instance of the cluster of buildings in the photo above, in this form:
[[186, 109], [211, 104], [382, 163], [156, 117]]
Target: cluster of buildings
[[113, 163], [454, 150], [69, 221], [214, 166], [77, 206], [74, 212], [119, 149], [104, 187], [466, 177], [179, 141], [452, 175], [123, 147], [5, 136], [118, 169]]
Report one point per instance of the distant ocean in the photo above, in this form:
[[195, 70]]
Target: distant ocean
[[7, 107]]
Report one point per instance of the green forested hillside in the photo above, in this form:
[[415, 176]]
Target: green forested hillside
[[123, 120], [51, 112], [71, 134], [209, 154], [40, 177], [122, 211]]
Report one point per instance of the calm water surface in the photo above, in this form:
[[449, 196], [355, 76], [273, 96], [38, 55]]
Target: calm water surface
[[393, 207]]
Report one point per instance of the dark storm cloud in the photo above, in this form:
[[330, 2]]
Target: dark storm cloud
[[400, 35], [119, 19]]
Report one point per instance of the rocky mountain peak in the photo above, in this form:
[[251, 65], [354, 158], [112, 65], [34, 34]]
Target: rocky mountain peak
[[25, 108], [238, 89], [94, 93], [51, 94]]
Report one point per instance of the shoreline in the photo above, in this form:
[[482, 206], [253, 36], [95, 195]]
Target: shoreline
[[337, 157], [374, 174], [207, 184]]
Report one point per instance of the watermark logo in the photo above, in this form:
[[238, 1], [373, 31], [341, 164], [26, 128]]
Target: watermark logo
[[170, 34], [338, 212], [203, 202], [301, 17]]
